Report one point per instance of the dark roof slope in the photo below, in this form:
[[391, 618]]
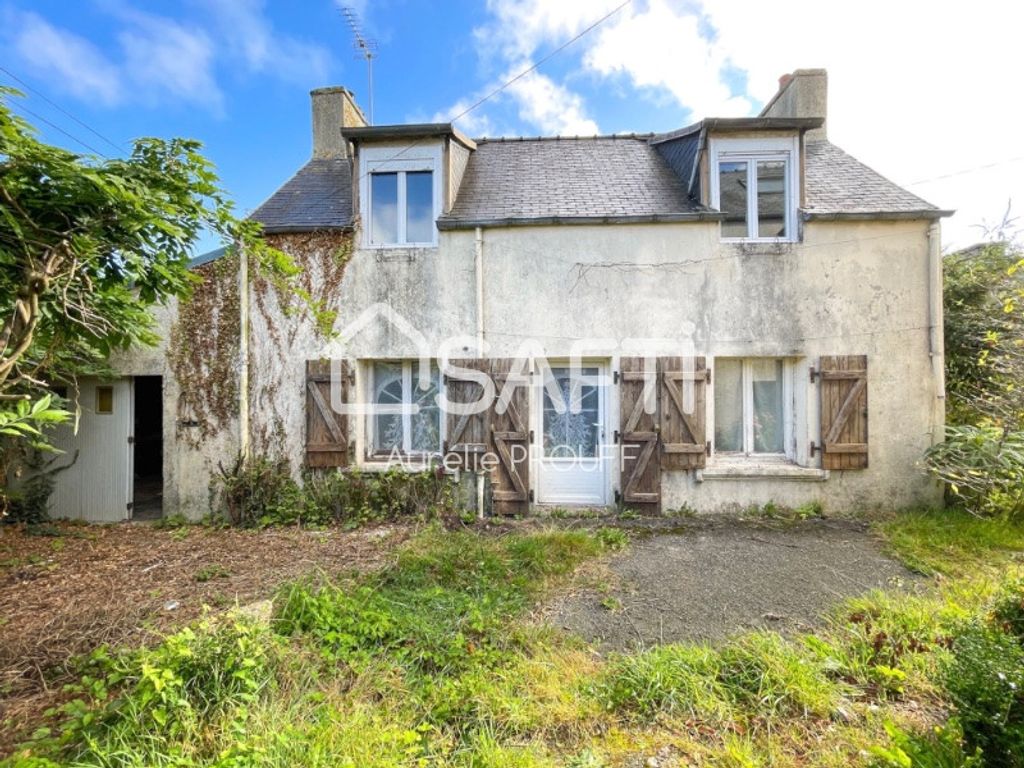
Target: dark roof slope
[[319, 196], [509, 181], [838, 185]]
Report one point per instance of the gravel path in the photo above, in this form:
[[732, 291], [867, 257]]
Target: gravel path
[[708, 581]]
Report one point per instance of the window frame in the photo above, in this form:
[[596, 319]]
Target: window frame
[[752, 151], [401, 160], [747, 391], [409, 381]]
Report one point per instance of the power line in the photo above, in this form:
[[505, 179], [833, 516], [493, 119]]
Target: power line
[[544, 60], [61, 109], [518, 77], [56, 127], [967, 171]]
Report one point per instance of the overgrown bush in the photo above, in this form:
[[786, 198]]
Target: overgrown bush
[[985, 683], [983, 466], [259, 492], [164, 705]]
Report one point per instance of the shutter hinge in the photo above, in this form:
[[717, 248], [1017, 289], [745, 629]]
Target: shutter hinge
[[815, 448], [531, 436], [129, 506], [707, 448], [814, 374], [131, 439], [618, 496], [530, 495], [615, 377], [616, 437], [707, 375]]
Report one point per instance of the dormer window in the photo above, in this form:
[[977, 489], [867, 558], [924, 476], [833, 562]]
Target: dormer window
[[400, 195], [402, 208], [754, 183]]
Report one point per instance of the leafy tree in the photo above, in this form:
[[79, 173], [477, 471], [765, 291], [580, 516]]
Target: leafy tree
[[982, 457], [88, 246]]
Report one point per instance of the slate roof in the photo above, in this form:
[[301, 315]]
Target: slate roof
[[614, 179], [839, 185], [319, 196], [569, 179]]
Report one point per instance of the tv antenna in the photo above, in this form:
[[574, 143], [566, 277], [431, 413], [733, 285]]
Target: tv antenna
[[365, 47]]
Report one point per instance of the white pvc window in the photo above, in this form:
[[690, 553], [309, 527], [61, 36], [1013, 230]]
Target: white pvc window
[[754, 183], [751, 406], [402, 208], [395, 390]]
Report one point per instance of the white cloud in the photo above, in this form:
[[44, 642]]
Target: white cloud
[[164, 58], [553, 108], [74, 64], [249, 36], [664, 48], [159, 59]]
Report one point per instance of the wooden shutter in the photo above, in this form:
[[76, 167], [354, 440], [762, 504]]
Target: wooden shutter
[[467, 434], [684, 444], [844, 411], [641, 468], [509, 440], [327, 431]]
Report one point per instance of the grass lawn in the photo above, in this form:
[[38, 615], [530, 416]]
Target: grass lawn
[[435, 661]]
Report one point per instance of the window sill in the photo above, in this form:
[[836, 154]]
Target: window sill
[[766, 469]]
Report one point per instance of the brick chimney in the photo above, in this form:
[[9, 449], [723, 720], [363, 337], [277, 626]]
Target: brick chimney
[[804, 93], [334, 108]]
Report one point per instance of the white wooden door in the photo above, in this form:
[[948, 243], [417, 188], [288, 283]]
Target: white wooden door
[[97, 487], [572, 458]]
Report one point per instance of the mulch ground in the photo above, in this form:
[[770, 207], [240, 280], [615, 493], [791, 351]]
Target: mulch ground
[[79, 587]]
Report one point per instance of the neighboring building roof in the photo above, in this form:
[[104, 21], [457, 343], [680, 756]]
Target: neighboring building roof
[[206, 258], [567, 180], [838, 186], [319, 196]]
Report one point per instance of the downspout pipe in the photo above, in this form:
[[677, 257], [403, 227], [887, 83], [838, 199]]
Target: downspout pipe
[[478, 264], [936, 325], [243, 352]]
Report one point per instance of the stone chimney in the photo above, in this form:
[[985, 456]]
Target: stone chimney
[[804, 93], [334, 108]]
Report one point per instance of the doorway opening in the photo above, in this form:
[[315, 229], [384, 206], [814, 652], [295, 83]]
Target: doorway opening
[[148, 462]]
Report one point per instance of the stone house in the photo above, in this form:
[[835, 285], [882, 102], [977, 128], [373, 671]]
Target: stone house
[[729, 314]]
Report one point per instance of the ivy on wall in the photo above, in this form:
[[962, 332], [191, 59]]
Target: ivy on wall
[[203, 351]]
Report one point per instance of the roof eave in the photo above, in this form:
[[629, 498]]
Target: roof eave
[[407, 131], [924, 213], [285, 229], [736, 124], [449, 224]]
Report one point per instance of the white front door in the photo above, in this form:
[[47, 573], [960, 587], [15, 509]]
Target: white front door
[[97, 487], [572, 466]]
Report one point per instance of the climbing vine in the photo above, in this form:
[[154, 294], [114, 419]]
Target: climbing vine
[[292, 323], [203, 351]]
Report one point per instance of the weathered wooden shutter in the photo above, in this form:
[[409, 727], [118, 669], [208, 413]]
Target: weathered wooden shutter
[[844, 411], [327, 431], [467, 436], [638, 421], [509, 440], [683, 440]]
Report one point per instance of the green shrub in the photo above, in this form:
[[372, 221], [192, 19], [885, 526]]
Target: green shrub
[[985, 683], [943, 747], [263, 492], [157, 706], [983, 466], [1008, 611]]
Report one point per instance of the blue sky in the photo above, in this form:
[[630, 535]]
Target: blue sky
[[236, 75]]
